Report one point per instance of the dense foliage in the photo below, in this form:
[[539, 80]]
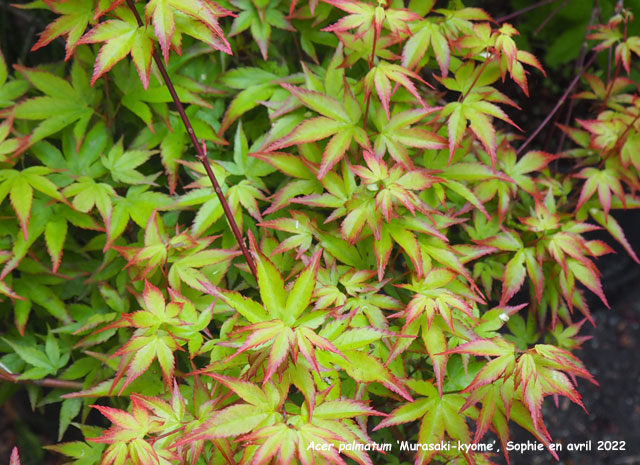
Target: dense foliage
[[413, 271]]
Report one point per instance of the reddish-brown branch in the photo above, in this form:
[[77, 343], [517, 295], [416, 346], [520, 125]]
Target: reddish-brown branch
[[550, 17], [579, 64], [558, 105], [200, 153], [515, 14], [46, 382], [371, 61], [475, 80]]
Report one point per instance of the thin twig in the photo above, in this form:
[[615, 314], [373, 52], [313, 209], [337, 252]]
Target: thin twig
[[579, 64], [201, 155], [46, 382], [475, 81], [558, 105], [548, 18], [515, 14]]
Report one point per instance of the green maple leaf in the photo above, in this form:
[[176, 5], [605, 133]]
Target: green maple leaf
[[74, 19], [153, 255], [62, 105], [10, 90], [397, 134], [428, 34], [254, 84], [210, 209], [122, 165], [137, 205], [19, 185], [340, 121], [187, 267], [438, 414], [380, 77], [259, 18], [251, 167], [153, 338], [121, 37], [8, 145], [74, 160], [278, 324], [197, 18], [478, 112], [88, 194]]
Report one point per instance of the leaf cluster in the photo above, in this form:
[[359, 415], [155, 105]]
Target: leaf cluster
[[418, 273]]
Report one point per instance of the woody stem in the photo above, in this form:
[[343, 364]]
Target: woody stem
[[200, 153]]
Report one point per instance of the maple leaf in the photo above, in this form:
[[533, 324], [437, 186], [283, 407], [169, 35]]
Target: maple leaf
[[122, 165], [380, 77], [62, 105], [88, 194], [397, 133], [300, 226], [74, 19], [431, 295], [629, 155], [437, 414], [137, 205], [365, 368], [203, 13], [478, 113], [521, 171], [605, 131], [154, 253], [393, 186], [10, 91], [332, 422], [55, 235], [428, 33], [193, 266], [611, 225], [246, 193], [255, 85], [605, 182], [500, 367], [278, 324], [437, 33], [338, 121], [610, 34], [246, 162], [155, 337], [20, 186], [511, 58], [239, 419], [541, 372], [126, 437], [121, 37], [364, 18], [403, 232], [514, 274], [613, 93], [259, 19]]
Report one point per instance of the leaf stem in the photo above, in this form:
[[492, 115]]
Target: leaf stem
[[46, 382], [371, 60], [550, 17], [201, 155], [515, 14], [583, 54], [558, 105], [475, 80]]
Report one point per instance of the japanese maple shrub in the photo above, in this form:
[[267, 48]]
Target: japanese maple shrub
[[412, 270]]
